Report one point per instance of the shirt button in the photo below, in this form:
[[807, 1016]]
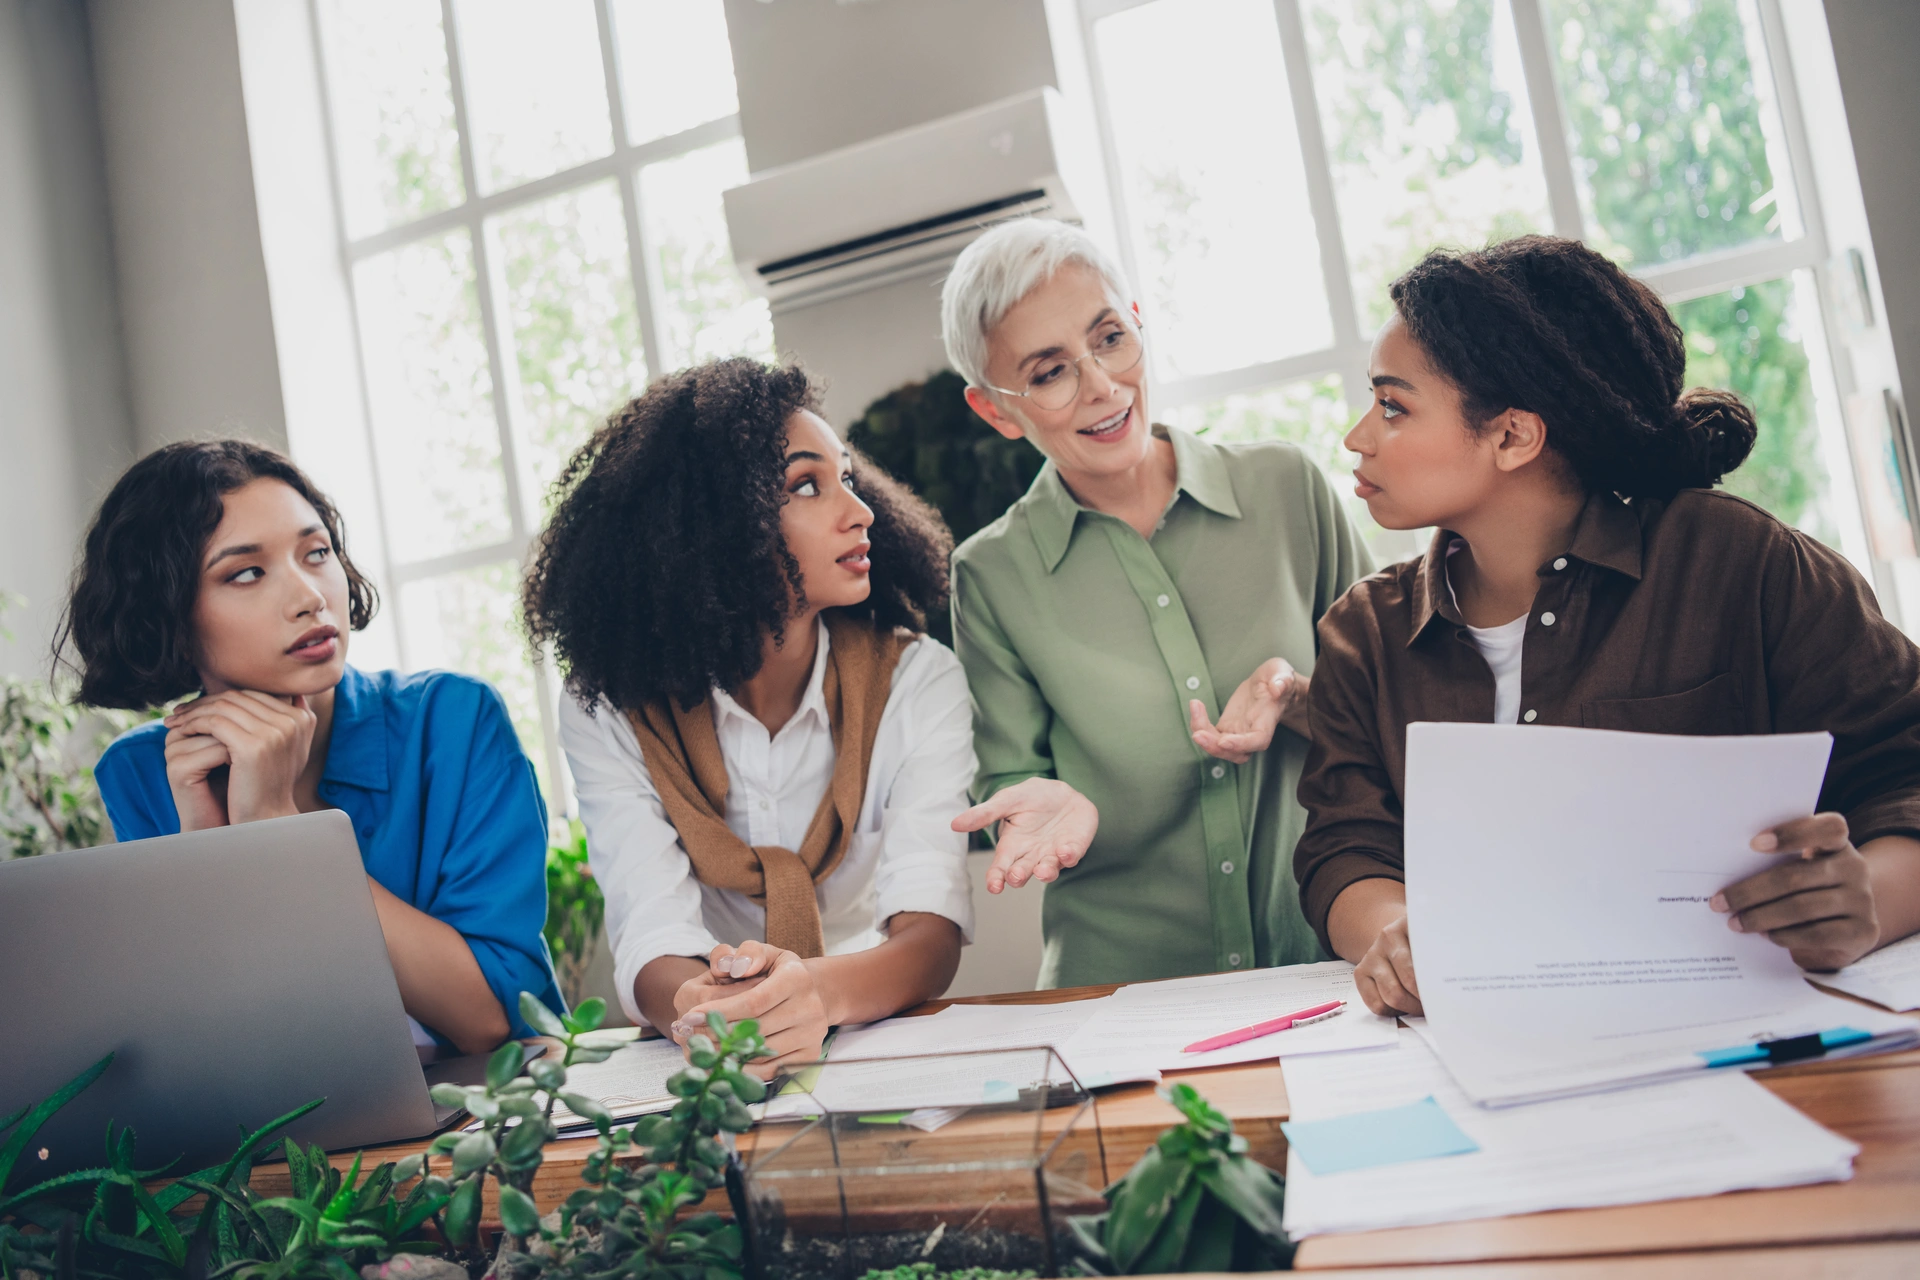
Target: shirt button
[[1164, 601], [1561, 563], [763, 804], [1219, 771], [1546, 619], [1531, 716], [1193, 682], [1233, 961], [1226, 868]]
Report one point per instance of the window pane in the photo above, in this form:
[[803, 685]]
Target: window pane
[[536, 91], [470, 622], [576, 335], [702, 307], [1669, 125], [1216, 196], [1748, 340], [436, 443], [1428, 131], [399, 155], [676, 68]]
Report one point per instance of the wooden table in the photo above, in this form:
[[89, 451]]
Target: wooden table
[[1869, 1226]]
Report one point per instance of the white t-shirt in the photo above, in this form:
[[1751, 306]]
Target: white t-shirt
[[903, 856], [1501, 647]]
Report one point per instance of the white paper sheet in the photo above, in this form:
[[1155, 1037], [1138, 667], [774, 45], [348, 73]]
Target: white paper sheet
[[1557, 895], [1152, 1022], [1698, 1136], [1889, 976], [872, 1068], [633, 1082]]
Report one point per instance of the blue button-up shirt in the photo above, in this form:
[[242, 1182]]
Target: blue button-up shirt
[[443, 802]]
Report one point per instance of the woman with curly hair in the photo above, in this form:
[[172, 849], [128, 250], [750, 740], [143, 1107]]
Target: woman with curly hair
[[216, 568], [1584, 572], [767, 753]]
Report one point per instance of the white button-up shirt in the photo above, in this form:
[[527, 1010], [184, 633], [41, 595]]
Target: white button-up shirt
[[903, 855]]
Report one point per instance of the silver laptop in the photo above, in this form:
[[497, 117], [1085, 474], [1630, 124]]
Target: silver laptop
[[234, 974]]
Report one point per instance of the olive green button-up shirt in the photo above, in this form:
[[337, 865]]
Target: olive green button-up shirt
[[1082, 643]]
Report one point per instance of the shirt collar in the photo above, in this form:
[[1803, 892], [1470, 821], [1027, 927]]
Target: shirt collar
[[357, 742], [1606, 535], [814, 700], [1200, 472]]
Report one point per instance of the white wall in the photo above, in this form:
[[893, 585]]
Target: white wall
[[65, 433], [193, 284]]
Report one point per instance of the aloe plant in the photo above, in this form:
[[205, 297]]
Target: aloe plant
[[1195, 1202]]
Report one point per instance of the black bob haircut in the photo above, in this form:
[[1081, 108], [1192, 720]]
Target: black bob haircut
[[1550, 327], [663, 568], [128, 625]]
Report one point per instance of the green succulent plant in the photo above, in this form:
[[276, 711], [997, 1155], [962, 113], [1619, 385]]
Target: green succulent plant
[[1195, 1202]]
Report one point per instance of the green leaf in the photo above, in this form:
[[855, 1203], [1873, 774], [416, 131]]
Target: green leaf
[[588, 1015], [523, 1142], [547, 1073], [586, 1108], [1141, 1203], [463, 1212], [471, 1153], [718, 1023], [410, 1168], [701, 1054], [444, 1144], [79, 1177], [517, 1212], [1251, 1191], [684, 1084], [541, 1018], [41, 1113], [1168, 1244], [747, 1088], [448, 1095], [1209, 1244], [583, 1053], [505, 1063]]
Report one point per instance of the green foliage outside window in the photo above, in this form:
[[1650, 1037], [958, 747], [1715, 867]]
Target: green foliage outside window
[[575, 912]]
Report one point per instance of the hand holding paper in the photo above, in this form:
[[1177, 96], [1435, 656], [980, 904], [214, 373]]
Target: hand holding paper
[[1817, 901]]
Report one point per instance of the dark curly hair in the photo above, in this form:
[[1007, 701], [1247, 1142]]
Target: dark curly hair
[[128, 626], [663, 568], [1550, 327]]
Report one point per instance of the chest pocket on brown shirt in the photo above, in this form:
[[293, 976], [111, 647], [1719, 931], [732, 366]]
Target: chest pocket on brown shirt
[[1716, 707]]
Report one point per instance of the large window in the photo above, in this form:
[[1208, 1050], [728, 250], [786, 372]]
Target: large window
[[1277, 162], [530, 203]]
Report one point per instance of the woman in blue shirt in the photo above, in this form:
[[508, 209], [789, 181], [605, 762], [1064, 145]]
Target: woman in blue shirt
[[217, 567]]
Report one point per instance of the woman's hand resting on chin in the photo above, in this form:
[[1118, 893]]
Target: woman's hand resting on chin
[[772, 986], [260, 739]]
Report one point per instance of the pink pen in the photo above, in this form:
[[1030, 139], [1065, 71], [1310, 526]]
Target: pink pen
[[1267, 1028]]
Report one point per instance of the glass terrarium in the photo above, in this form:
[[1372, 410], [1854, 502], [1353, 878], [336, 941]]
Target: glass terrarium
[[958, 1159]]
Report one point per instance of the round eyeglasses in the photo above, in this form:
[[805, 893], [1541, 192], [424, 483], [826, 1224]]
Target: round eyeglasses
[[1055, 380]]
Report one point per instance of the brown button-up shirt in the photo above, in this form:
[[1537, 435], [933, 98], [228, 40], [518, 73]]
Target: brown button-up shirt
[[1699, 615]]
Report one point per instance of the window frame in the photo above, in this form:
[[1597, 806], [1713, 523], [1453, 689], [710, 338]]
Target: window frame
[[1802, 246], [623, 164]]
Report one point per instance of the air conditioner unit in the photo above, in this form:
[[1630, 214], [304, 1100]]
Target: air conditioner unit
[[907, 203]]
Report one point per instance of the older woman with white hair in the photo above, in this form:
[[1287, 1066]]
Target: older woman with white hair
[[1146, 573]]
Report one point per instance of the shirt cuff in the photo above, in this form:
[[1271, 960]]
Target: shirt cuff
[[949, 902], [1331, 878], [1891, 815], [639, 952]]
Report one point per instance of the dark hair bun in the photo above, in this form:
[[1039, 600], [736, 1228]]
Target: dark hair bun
[[1717, 432], [1557, 329]]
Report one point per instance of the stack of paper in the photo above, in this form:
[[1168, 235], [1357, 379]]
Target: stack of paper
[[1890, 976], [630, 1084], [1558, 888], [1698, 1136], [1151, 1022], [938, 1060]]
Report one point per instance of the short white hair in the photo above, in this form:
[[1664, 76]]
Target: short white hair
[[999, 269]]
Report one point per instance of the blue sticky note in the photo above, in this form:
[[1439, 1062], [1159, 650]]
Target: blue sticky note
[[1418, 1131]]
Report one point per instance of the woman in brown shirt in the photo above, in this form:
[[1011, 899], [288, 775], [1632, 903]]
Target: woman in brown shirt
[[1529, 405]]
